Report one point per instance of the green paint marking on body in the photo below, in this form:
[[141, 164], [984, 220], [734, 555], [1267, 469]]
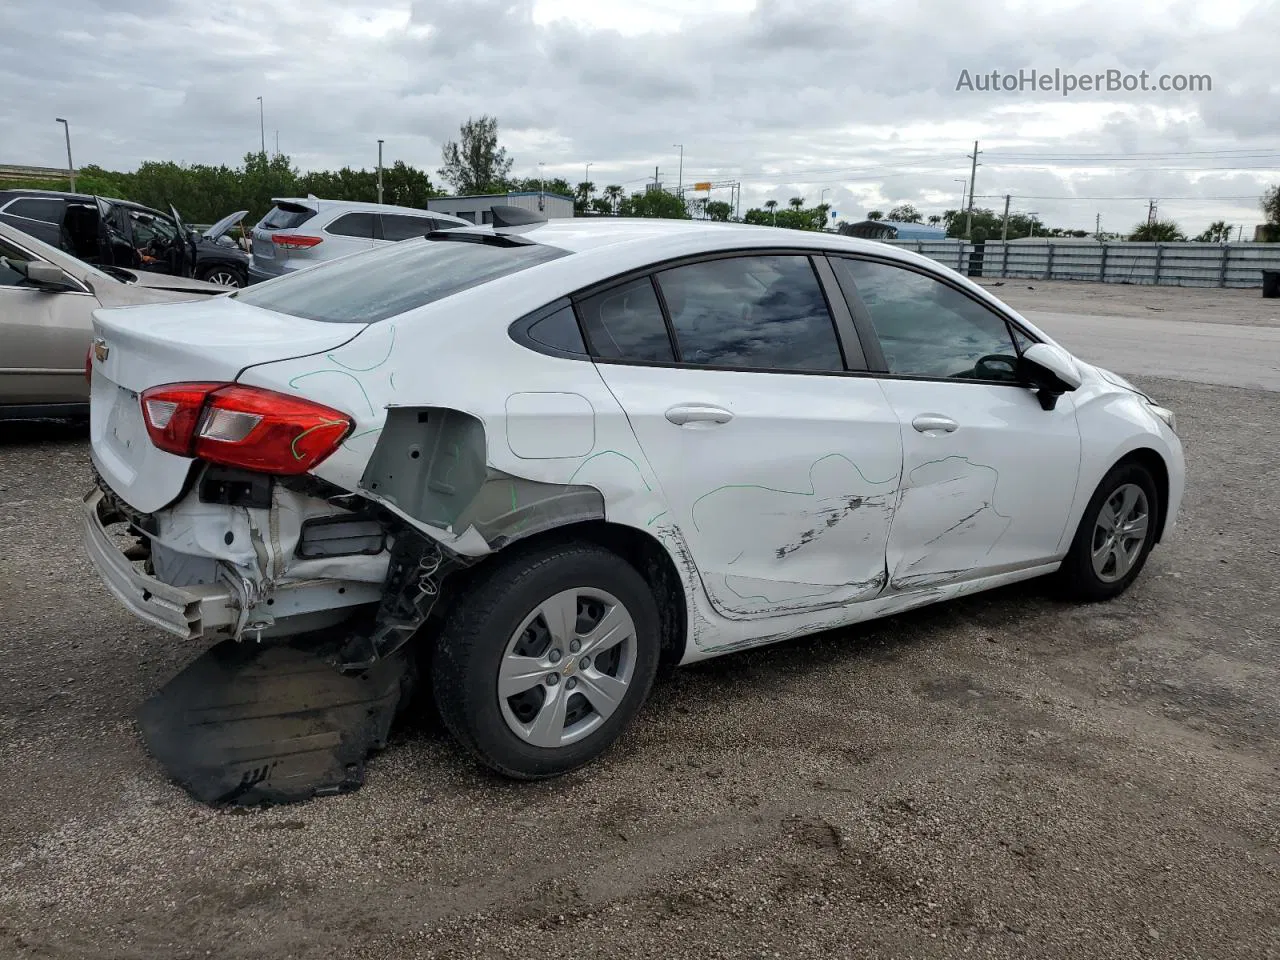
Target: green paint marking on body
[[347, 366], [660, 513], [293, 446], [615, 453], [336, 373], [811, 492]]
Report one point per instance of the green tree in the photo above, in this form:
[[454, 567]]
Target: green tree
[[1270, 204], [719, 210], [796, 203], [1158, 231], [1217, 232], [934, 219], [654, 203], [475, 163], [613, 193], [905, 213], [601, 206], [772, 207], [582, 196], [875, 215]]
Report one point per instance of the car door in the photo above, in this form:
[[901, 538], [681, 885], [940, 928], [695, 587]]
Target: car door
[[350, 233], [779, 466], [44, 335], [989, 476]]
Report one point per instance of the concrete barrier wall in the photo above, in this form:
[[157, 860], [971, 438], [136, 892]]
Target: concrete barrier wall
[[1167, 264]]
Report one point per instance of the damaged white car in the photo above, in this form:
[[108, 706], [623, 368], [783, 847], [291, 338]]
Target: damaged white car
[[552, 455]]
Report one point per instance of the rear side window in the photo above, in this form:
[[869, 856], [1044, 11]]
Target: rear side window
[[559, 331], [44, 209], [286, 216], [353, 225], [402, 226], [765, 312], [625, 323], [388, 281]]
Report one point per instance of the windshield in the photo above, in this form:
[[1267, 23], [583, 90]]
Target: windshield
[[368, 287]]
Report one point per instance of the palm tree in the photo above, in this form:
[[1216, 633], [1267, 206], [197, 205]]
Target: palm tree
[[934, 220], [772, 206], [614, 193], [796, 202]]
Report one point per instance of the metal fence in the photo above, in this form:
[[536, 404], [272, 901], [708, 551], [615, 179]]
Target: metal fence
[[1167, 264]]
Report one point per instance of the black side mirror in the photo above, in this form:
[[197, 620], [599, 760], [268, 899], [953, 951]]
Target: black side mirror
[[1050, 371]]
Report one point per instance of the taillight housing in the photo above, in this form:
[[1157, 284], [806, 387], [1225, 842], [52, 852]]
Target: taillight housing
[[88, 365], [240, 426], [295, 241]]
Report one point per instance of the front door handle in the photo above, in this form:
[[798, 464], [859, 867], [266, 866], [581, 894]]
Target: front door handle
[[929, 422], [683, 413]]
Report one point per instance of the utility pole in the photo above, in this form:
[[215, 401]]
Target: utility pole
[[277, 143], [680, 175], [1097, 227], [586, 177], [542, 186], [379, 171], [655, 178], [1151, 212], [71, 167], [1004, 233], [973, 176], [262, 127]]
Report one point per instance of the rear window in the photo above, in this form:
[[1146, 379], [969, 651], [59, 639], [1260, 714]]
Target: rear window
[[368, 287], [286, 216]]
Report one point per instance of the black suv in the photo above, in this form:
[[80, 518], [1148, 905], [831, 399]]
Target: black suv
[[120, 233]]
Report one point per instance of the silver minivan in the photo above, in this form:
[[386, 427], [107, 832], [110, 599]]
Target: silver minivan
[[299, 233]]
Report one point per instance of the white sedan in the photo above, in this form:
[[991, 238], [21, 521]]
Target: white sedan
[[555, 454]]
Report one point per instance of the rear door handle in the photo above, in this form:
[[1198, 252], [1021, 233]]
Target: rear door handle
[[683, 413], [929, 422]]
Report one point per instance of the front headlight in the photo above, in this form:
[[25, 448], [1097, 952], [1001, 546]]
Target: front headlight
[[1165, 414]]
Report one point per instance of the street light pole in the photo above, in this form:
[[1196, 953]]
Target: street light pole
[[379, 171], [542, 186], [680, 175], [71, 168], [262, 127]]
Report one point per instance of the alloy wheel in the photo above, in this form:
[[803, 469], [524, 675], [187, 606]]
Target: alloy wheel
[[226, 278]]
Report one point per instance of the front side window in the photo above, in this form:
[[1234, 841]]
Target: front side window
[[353, 225], [625, 323], [928, 329], [766, 312], [390, 280]]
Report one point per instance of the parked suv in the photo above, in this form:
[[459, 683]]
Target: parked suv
[[299, 233], [120, 233]]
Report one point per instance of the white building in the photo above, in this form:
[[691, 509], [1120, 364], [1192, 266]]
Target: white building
[[478, 208]]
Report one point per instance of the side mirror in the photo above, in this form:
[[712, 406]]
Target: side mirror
[[1051, 371], [47, 275]]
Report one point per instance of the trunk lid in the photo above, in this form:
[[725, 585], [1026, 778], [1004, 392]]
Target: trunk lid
[[144, 346], [283, 218]]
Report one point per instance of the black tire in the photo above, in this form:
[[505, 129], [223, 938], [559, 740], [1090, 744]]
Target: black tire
[[482, 622], [1077, 577]]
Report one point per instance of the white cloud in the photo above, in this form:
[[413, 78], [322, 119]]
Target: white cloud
[[791, 97]]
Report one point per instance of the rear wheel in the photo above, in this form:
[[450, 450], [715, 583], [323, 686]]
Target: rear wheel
[[1115, 535], [545, 660]]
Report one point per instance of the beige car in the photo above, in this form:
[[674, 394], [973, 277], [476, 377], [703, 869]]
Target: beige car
[[47, 299]]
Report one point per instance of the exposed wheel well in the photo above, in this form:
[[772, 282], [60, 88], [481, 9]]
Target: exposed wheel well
[[642, 550], [1153, 462]]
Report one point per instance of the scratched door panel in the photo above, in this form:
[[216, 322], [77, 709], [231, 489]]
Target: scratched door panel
[[992, 494], [786, 506]]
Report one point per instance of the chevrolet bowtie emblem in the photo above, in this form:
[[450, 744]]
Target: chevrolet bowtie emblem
[[100, 349]]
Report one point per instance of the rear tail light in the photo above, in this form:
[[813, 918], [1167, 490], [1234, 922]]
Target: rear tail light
[[294, 241], [88, 365], [240, 426]]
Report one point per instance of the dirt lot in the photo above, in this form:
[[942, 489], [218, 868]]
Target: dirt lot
[[1202, 304], [1002, 776]]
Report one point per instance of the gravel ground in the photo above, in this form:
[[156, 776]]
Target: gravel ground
[[1002, 776]]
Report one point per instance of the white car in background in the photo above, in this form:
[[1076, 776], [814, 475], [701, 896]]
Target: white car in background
[[558, 453], [299, 233]]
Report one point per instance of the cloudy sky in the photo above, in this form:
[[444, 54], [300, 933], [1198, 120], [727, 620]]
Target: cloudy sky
[[792, 97]]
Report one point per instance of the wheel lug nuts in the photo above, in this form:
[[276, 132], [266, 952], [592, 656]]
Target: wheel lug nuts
[[575, 647], [584, 662], [570, 683], [554, 656], [553, 679]]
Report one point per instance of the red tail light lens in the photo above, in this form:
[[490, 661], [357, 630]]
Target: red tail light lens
[[241, 426], [294, 241], [88, 365]]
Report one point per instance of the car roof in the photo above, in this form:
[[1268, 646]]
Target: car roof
[[37, 192], [319, 204]]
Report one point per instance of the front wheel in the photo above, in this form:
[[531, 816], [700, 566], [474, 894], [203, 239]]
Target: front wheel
[[223, 276], [545, 660], [1115, 535]]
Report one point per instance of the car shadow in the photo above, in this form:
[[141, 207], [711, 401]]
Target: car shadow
[[24, 433]]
